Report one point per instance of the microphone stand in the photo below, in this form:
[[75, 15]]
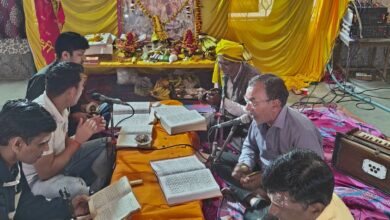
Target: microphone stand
[[218, 135], [229, 137], [112, 133]]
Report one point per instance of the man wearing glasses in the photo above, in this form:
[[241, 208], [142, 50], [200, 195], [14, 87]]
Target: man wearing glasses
[[276, 129], [300, 186]]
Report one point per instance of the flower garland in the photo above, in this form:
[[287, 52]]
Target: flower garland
[[170, 19]]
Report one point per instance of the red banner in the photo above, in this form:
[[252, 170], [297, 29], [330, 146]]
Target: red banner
[[51, 18]]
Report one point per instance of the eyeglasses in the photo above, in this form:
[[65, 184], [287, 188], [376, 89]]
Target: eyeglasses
[[279, 199], [254, 103], [282, 200]]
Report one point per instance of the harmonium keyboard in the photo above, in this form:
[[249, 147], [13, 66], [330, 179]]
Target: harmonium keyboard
[[364, 157]]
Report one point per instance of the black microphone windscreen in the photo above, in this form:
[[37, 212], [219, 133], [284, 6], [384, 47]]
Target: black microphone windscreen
[[96, 96]]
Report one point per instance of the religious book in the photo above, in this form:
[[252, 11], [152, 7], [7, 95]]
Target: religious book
[[135, 130], [178, 122], [185, 179], [116, 201]]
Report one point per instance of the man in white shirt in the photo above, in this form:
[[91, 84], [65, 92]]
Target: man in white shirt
[[75, 163]]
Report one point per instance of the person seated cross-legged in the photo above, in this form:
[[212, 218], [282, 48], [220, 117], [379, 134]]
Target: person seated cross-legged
[[80, 165]]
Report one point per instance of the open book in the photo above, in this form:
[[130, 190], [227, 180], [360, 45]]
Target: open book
[[185, 179], [178, 119], [116, 201], [131, 128]]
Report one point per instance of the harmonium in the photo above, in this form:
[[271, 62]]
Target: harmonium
[[364, 157]]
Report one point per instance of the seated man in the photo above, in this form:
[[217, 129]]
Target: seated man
[[73, 163], [71, 47], [25, 133], [300, 186], [231, 63], [275, 130]]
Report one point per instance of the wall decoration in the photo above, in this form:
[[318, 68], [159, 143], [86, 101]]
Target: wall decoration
[[159, 19]]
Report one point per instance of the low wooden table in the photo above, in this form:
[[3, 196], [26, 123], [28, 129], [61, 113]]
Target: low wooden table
[[135, 164], [354, 45]]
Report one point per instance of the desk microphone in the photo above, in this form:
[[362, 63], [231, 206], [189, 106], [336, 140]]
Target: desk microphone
[[99, 97], [243, 119]]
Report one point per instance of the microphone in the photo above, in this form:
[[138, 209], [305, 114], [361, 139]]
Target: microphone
[[243, 119], [99, 97]]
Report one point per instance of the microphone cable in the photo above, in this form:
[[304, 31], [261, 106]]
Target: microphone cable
[[123, 119]]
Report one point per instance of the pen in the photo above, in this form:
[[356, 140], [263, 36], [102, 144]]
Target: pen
[[253, 173]]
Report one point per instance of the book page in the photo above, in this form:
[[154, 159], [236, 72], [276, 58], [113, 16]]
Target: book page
[[183, 118], [137, 129], [129, 140], [139, 108], [183, 122], [176, 165], [189, 186], [137, 124], [163, 111], [110, 193], [118, 209], [126, 140]]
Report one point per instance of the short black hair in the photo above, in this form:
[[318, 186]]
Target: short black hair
[[25, 119], [62, 76], [301, 173], [274, 87], [70, 41]]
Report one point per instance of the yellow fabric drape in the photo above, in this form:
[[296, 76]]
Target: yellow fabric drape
[[215, 17], [294, 41], [32, 33], [84, 17]]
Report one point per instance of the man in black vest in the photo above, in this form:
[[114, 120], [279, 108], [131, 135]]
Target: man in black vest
[[26, 130]]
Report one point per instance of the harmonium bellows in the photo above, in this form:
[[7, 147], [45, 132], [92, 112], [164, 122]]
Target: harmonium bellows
[[364, 157]]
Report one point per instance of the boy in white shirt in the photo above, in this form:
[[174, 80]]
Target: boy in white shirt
[[79, 165]]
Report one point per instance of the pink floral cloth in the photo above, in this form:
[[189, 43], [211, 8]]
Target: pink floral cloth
[[365, 202]]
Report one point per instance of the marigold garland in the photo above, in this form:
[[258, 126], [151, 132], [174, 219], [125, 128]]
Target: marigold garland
[[197, 19]]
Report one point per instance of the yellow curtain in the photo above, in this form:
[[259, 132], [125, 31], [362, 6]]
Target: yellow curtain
[[294, 41], [215, 17], [32, 33], [87, 16]]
